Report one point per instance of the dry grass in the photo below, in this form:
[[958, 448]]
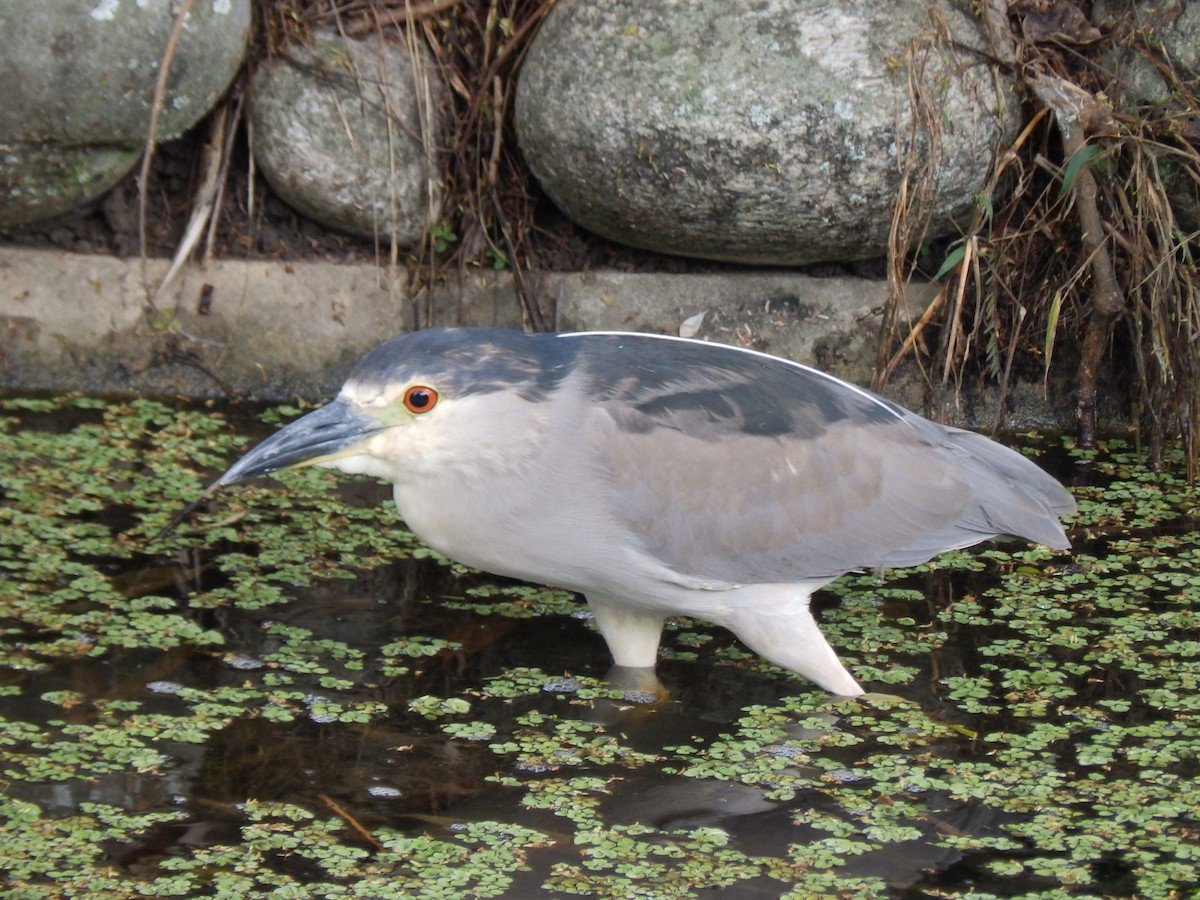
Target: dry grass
[[477, 46], [1077, 254]]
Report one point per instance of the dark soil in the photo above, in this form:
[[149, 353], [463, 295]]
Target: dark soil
[[255, 224], [263, 229]]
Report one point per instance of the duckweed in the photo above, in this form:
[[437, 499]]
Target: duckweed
[[213, 711]]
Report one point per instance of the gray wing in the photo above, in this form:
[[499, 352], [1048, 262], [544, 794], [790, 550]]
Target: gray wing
[[781, 473]]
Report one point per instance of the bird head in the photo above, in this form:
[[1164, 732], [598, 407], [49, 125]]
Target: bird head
[[425, 404]]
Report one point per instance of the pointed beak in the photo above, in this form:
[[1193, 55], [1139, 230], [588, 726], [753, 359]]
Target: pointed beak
[[332, 432]]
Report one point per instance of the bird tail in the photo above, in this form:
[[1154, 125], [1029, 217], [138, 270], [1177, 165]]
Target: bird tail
[[1014, 496]]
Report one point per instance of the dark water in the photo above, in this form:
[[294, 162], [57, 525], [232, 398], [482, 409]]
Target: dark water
[[917, 793]]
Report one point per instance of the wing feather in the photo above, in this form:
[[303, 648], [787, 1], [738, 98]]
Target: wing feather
[[754, 471]]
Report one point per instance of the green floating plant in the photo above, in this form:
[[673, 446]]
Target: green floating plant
[[1051, 697]]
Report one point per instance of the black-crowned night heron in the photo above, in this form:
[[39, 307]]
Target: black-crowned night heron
[[660, 476]]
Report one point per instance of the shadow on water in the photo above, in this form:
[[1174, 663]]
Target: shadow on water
[[286, 692]]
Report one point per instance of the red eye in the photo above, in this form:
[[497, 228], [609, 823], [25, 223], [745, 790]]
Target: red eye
[[420, 399]]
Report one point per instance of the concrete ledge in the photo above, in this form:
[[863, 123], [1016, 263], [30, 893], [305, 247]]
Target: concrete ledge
[[263, 329], [271, 330], [274, 330], [830, 323]]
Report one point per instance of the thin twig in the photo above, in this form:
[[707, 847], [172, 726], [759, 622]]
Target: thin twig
[[914, 333], [376, 17], [214, 154], [156, 105], [351, 821], [1074, 110]]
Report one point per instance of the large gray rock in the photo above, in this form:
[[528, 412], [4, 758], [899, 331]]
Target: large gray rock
[[83, 71], [1154, 38], [755, 131], [77, 82], [1169, 37], [340, 135], [39, 181]]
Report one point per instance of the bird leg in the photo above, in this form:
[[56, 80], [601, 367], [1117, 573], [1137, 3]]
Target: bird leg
[[777, 623], [632, 635]]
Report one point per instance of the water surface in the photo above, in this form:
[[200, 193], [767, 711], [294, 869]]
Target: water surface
[[290, 696]]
